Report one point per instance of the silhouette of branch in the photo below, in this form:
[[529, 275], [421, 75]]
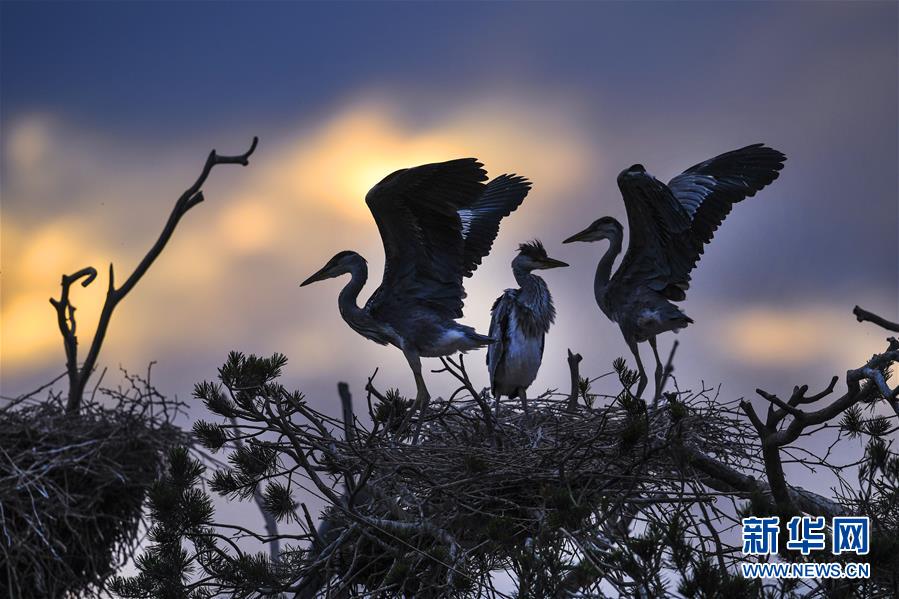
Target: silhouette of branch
[[346, 404], [773, 436], [669, 368], [65, 310], [574, 367], [864, 316], [65, 317], [271, 525], [349, 427], [726, 479], [457, 370]]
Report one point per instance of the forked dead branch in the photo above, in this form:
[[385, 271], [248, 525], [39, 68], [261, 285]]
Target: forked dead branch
[[79, 374]]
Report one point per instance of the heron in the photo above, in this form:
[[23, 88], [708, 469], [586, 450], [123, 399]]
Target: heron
[[437, 223], [668, 226], [520, 320]]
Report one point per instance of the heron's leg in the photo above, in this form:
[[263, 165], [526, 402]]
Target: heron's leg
[[632, 345], [659, 368], [523, 395], [422, 397]]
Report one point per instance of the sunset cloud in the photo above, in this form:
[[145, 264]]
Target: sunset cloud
[[230, 272], [788, 337]]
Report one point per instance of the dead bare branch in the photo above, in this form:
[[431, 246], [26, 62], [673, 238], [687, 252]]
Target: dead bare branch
[[65, 310], [864, 316], [574, 361]]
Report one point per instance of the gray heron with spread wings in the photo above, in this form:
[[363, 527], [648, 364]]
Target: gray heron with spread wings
[[520, 320], [437, 222], [669, 226]]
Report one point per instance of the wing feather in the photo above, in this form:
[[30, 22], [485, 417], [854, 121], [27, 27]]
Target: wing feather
[[658, 247], [416, 210], [670, 225], [708, 190], [480, 221], [499, 324]]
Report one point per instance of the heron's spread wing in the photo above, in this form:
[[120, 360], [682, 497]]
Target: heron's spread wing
[[500, 314], [659, 247], [480, 221], [674, 222], [417, 213], [708, 190]]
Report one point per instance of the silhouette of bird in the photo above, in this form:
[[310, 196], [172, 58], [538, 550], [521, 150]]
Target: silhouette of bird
[[520, 320], [437, 222], [669, 226]]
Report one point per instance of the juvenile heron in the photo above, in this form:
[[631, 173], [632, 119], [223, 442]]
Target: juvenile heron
[[520, 320], [668, 227], [437, 222]]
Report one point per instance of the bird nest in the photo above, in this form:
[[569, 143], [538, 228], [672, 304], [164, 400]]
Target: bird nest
[[72, 487], [477, 493]]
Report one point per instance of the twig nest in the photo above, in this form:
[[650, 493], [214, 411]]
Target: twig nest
[[72, 489], [484, 492]]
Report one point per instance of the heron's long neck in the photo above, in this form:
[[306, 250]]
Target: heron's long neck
[[604, 268], [346, 301], [535, 295], [527, 281]]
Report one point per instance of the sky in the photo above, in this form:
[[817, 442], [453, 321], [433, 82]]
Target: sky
[[107, 111]]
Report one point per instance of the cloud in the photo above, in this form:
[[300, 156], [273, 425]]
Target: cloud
[[789, 337], [33, 262], [29, 144], [229, 276]]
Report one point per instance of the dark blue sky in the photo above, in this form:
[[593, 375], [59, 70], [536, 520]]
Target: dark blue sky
[[201, 64]]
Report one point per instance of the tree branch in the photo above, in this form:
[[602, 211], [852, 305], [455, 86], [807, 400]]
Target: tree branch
[[668, 370], [773, 437], [65, 311], [723, 478], [65, 317], [457, 369], [574, 362], [863, 315]]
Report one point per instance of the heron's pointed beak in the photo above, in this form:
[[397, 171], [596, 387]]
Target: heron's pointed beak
[[546, 263], [582, 236], [321, 275]]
